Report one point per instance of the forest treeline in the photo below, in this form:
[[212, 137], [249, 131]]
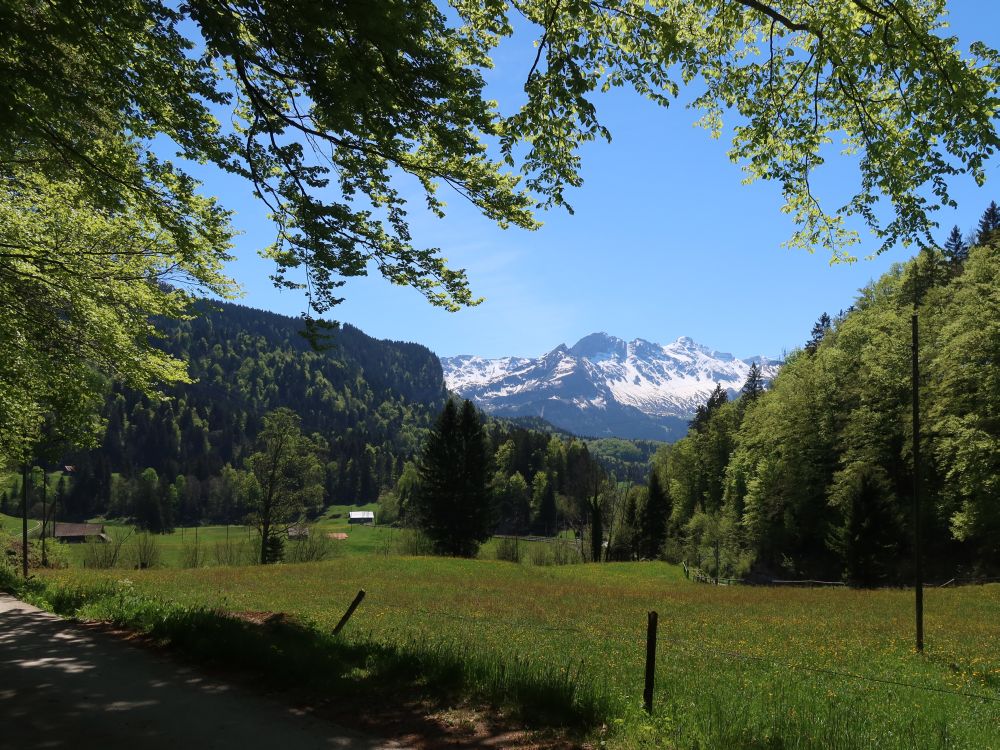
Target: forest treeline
[[810, 478], [368, 401], [367, 404], [813, 478]]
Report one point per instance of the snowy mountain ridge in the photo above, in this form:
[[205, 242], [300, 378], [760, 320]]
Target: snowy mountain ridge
[[603, 385]]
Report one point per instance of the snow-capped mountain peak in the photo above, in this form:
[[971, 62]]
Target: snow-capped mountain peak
[[603, 385]]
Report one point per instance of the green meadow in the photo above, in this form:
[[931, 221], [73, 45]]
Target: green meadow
[[737, 667]]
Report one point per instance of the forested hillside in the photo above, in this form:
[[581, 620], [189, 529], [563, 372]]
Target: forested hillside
[[369, 400], [814, 478], [181, 459]]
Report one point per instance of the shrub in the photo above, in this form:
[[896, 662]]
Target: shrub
[[144, 551], [509, 549], [192, 556], [315, 547], [106, 554], [231, 553], [564, 553], [540, 554], [413, 542]]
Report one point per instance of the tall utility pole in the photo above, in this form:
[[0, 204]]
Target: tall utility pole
[[918, 567]]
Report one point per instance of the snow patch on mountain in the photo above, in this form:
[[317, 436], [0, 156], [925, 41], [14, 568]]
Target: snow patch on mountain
[[635, 384]]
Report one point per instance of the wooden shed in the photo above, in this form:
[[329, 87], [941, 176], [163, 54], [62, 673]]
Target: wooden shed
[[361, 516], [79, 532]]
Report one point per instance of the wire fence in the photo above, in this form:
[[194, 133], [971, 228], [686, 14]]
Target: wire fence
[[697, 574], [689, 647]]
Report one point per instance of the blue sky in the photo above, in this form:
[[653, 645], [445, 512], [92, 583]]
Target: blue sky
[[665, 242]]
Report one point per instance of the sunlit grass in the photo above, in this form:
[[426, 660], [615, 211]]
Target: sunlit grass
[[733, 664]]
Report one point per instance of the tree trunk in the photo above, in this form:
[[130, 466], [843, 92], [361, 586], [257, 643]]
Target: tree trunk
[[45, 519], [265, 530], [24, 519]]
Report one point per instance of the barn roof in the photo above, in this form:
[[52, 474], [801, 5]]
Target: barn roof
[[361, 514], [77, 529]]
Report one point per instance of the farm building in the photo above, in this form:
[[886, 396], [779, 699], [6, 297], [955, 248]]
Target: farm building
[[361, 516], [298, 532], [79, 532]]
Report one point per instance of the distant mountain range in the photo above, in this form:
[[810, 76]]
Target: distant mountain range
[[604, 386]]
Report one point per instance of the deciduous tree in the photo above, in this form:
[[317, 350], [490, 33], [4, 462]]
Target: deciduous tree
[[289, 478], [325, 108]]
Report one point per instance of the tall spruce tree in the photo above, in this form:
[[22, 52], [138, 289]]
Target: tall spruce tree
[[703, 413], [453, 506], [547, 513], [988, 224], [819, 329], [653, 518], [754, 384], [955, 249], [868, 538]]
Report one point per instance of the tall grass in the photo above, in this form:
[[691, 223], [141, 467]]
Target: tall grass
[[736, 667], [300, 653]]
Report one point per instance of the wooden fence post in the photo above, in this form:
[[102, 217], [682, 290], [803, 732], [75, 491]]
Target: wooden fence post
[[349, 612], [650, 661]]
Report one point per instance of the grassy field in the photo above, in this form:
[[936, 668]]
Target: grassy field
[[12, 525], [177, 549], [738, 667]]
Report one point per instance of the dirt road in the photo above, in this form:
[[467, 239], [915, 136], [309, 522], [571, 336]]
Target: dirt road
[[63, 686]]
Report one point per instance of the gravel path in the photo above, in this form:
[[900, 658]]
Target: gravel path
[[64, 686]]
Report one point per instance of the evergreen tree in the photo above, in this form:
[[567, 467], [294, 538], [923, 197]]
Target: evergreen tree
[[653, 518], [955, 250], [453, 505], [704, 413], [819, 329], [868, 538], [988, 224], [754, 384], [545, 501]]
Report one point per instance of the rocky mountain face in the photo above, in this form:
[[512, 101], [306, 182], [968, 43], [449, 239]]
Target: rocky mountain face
[[604, 386]]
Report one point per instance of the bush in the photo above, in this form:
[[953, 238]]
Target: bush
[[509, 549], [315, 547], [540, 554], [144, 551], [104, 555], [565, 553], [10, 552], [231, 553], [388, 508], [193, 556], [413, 542]]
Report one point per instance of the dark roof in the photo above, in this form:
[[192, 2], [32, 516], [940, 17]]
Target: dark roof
[[78, 529]]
